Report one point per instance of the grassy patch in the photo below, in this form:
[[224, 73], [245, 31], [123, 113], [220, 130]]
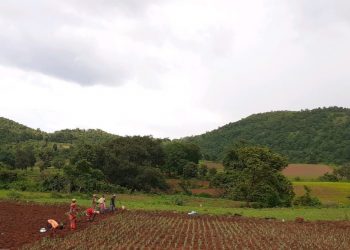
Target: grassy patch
[[201, 205], [327, 192]]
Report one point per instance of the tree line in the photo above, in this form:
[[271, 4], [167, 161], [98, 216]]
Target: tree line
[[134, 163], [309, 136]]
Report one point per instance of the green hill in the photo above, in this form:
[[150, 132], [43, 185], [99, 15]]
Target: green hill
[[11, 131], [309, 136], [74, 135]]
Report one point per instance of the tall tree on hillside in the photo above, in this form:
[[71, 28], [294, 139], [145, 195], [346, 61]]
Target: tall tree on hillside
[[131, 161], [46, 155], [24, 157], [255, 176]]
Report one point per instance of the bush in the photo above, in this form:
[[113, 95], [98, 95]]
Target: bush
[[26, 185], [307, 200], [178, 201], [55, 183], [329, 177], [204, 195], [297, 178], [13, 195], [6, 178], [56, 195], [190, 170], [185, 186]]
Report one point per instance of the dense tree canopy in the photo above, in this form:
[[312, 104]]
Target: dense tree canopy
[[253, 174], [177, 155], [310, 136]]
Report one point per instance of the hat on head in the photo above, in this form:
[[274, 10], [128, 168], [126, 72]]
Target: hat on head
[[74, 200]]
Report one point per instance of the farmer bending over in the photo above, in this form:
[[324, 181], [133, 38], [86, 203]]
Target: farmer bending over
[[53, 225], [91, 213]]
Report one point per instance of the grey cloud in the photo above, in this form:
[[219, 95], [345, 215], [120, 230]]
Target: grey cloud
[[43, 36]]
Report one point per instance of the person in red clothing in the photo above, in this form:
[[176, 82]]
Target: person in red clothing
[[91, 213], [73, 214]]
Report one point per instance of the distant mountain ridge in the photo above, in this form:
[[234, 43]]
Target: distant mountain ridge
[[14, 132], [309, 136], [11, 131]]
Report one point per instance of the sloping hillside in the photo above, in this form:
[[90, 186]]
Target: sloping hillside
[[73, 135], [310, 136], [11, 131]]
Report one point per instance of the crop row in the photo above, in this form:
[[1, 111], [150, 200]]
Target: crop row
[[152, 230]]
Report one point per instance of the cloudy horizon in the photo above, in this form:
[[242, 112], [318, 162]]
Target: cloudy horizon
[[169, 68]]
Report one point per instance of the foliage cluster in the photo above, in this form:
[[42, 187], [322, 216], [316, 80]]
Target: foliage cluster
[[309, 136], [253, 174], [307, 200]]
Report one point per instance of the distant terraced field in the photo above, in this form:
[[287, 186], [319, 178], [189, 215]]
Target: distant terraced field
[[306, 171]]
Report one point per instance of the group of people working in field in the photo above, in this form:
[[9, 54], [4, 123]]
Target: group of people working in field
[[98, 207]]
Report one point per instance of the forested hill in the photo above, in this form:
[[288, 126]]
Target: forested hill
[[13, 132], [314, 136]]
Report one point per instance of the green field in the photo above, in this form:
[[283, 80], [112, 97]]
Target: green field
[[201, 205], [328, 192]]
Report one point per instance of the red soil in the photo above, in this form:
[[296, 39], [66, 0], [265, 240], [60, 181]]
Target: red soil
[[306, 170], [216, 192], [168, 230], [20, 222]]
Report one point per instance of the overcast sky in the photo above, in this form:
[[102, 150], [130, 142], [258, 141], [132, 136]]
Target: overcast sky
[[169, 68]]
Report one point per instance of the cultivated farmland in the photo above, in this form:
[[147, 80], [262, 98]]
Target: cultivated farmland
[[306, 171], [167, 230]]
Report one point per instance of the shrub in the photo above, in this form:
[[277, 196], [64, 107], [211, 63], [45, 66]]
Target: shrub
[[26, 185], [178, 201], [13, 195], [329, 177], [307, 199], [190, 170], [7, 177], [204, 195], [56, 195], [186, 187]]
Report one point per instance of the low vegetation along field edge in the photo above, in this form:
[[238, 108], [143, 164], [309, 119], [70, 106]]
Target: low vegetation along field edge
[[185, 204]]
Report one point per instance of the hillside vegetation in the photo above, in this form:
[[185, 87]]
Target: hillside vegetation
[[310, 136], [11, 131]]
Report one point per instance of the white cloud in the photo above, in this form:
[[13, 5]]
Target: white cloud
[[169, 68]]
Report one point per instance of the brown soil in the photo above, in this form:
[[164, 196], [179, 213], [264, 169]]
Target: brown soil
[[20, 222], [215, 192], [168, 230], [306, 170]]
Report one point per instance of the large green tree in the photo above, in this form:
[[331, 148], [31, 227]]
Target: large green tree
[[253, 174], [177, 155]]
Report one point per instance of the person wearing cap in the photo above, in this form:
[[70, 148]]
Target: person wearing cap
[[73, 214], [112, 204], [102, 204]]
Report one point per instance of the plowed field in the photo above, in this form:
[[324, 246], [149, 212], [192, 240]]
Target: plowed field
[[306, 170], [20, 222], [166, 230]]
